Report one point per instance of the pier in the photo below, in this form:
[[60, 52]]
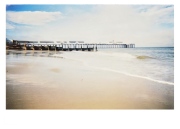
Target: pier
[[64, 45]]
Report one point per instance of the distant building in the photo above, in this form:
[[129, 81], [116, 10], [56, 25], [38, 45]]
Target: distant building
[[46, 41], [72, 41], [9, 41], [80, 41]]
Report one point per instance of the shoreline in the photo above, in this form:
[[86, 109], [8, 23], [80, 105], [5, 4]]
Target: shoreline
[[69, 84]]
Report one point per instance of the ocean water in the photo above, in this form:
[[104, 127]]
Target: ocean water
[[150, 63]]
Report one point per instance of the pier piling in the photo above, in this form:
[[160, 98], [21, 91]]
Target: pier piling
[[64, 46]]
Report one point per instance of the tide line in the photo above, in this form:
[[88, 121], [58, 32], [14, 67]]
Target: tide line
[[127, 74], [147, 78]]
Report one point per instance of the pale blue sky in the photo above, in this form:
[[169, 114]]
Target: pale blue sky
[[145, 25], [47, 8]]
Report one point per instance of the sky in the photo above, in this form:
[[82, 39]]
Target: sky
[[144, 25]]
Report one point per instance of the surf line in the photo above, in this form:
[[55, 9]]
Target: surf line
[[127, 74], [147, 78]]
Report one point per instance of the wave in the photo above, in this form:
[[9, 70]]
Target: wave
[[147, 78], [117, 54], [133, 75], [127, 74], [144, 57]]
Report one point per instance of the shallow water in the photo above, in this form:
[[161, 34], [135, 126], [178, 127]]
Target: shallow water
[[154, 63]]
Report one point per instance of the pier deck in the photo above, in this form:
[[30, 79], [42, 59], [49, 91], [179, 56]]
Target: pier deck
[[57, 46]]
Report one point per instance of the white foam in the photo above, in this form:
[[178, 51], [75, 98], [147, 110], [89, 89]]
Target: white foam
[[85, 62], [147, 78], [117, 54]]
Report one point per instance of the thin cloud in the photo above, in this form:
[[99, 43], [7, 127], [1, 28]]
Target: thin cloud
[[9, 26], [32, 18], [143, 25]]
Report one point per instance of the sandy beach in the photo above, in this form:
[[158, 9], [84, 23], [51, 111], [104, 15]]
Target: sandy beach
[[47, 81]]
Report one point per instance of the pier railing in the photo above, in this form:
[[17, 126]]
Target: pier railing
[[64, 46]]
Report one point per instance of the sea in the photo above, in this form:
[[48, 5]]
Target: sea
[[151, 63]]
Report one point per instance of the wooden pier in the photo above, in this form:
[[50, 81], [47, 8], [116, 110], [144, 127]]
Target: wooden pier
[[64, 46]]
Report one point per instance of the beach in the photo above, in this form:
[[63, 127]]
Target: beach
[[83, 80]]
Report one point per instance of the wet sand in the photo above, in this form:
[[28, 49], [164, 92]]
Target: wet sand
[[62, 83]]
